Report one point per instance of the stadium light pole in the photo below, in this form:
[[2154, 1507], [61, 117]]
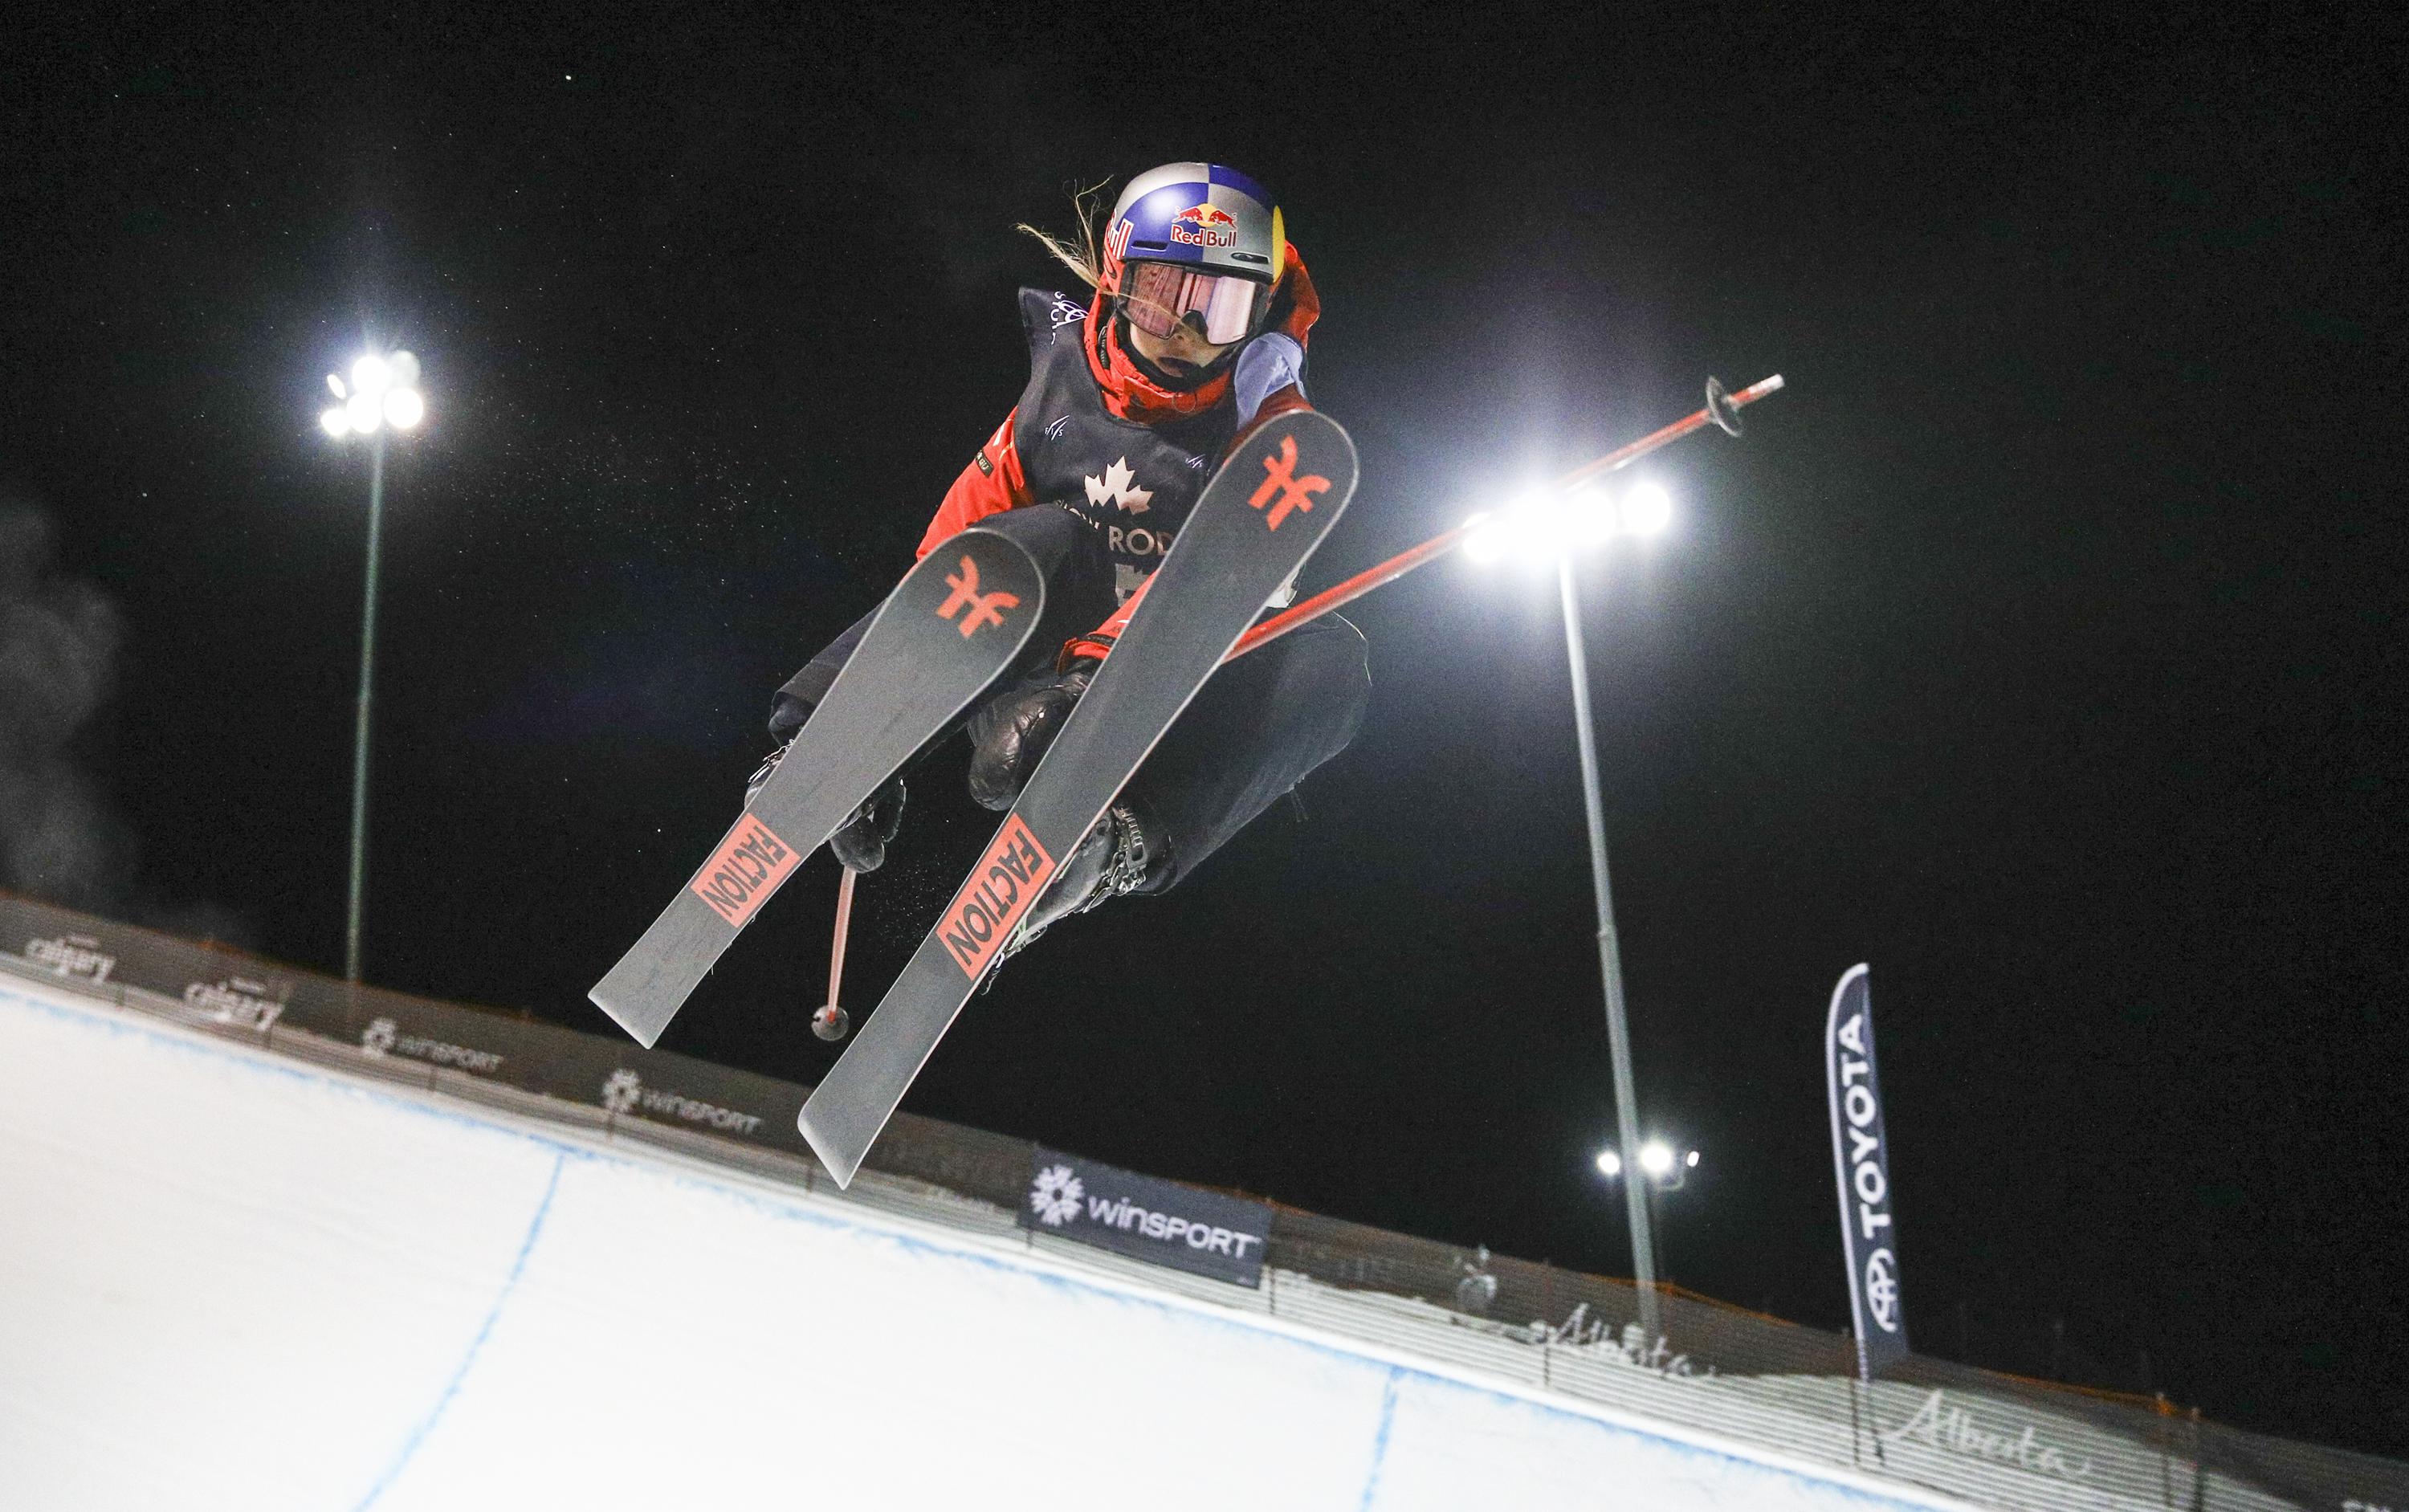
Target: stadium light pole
[[383, 396], [1556, 523]]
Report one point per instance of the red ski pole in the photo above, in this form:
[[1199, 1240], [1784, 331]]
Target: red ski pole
[[1722, 409], [830, 1022]]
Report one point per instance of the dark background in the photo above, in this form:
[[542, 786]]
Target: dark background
[[2040, 645]]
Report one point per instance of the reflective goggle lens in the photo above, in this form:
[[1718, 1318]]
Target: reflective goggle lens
[[1159, 298]]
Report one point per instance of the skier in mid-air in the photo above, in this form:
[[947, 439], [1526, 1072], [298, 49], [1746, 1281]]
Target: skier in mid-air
[[1195, 334]]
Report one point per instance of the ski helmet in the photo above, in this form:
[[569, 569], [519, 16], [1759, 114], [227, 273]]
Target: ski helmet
[[1195, 243]]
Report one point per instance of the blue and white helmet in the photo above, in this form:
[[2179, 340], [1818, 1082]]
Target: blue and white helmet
[[1195, 243]]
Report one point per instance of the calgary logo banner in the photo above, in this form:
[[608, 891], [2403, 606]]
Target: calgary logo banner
[[1861, 1159], [72, 955], [1148, 1219], [240, 1002]]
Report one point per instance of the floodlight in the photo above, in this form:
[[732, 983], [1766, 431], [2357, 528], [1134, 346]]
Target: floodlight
[[1485, 540], [403, 407], [1691, 1160], [1647, 509], [335, 382], [1528, 526], [1610, 1164], [1656, 1158], [1589, 514], [369, 375], [404, 369], [336, 420], [367, 412]]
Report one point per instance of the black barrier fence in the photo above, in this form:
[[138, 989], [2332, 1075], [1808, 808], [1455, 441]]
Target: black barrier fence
[[1996, 1439]]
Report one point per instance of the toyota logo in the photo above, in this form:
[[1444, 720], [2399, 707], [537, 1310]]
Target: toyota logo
[[1881, 1289]]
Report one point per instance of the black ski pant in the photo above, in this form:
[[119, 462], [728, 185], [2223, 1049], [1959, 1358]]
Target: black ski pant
[[1252, 734]]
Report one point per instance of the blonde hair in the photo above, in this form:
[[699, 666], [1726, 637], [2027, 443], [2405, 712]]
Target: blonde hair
[[1084, 257]]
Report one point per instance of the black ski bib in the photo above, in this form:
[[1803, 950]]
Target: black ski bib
[[1133, 484]]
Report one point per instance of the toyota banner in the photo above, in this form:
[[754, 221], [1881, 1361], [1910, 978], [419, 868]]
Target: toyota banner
[[1861, 1161], [1148, 1219]]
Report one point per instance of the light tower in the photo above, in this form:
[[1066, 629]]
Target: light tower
[[382, 396], [1552, 526]]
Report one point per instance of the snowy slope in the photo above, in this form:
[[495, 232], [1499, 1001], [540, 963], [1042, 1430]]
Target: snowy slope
[[230, 1281]]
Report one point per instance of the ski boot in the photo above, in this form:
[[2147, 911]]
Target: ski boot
[[1123, 854]]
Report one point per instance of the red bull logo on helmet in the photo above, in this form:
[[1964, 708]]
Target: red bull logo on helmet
[[1204, 225]]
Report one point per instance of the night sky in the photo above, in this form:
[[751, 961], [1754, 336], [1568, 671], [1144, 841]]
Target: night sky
[[2041, 644]]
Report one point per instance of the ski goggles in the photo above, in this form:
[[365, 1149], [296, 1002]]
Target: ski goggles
[[1159, 297]]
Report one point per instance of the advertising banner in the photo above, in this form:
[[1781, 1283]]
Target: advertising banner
[[1148, 1219], [1861, 1161], [395, 1028], [232, 1000], [206, 987], [663, 1088], [66, 954]]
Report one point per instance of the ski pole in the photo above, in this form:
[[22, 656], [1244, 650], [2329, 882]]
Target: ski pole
[[830, 1022], [1721, 411]]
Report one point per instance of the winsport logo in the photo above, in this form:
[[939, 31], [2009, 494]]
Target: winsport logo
[[383, 1037], [625, 1092], [620, 1092], [1055, 1195]]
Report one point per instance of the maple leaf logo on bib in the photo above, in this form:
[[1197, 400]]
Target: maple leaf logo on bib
[[1114, 488]]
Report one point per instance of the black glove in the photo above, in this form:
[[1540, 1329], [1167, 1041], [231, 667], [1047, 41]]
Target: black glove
[[788, 715], [860, 843], [1012, 732]]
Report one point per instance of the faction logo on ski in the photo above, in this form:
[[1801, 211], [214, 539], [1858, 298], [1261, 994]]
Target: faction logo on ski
[[1114, 488], [984, 608], [1280, 477], [1055, 1195], [1007, 881], [746, 869]]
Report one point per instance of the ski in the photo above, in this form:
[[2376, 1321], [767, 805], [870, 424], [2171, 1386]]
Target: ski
[[954, 623], [1263, 514]]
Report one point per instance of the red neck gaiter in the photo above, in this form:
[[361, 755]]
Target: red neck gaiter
[[1131, 395]]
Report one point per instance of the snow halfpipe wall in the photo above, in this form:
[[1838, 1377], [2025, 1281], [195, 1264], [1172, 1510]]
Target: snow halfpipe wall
[[229, 1279]]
